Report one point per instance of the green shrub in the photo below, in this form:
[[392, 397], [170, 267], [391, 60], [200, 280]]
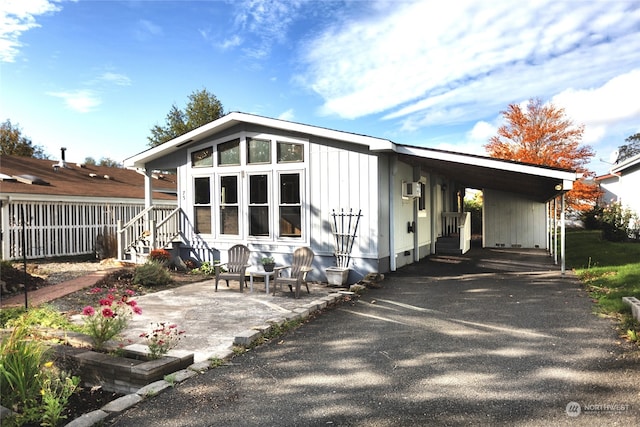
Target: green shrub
[[206, 268], [151, 274], [7, 315], [44, 315]]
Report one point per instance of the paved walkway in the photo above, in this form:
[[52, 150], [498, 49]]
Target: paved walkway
[[491, 338], [49, 293]]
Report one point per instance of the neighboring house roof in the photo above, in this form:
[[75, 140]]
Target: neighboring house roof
[[26, 175], [626, 164], [538, 182]]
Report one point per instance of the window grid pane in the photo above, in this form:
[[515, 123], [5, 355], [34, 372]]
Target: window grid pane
[[290, 208], [202, 158], [258, 151], [229, 205], [229, 153], [289, 152], [259, 205], [202, 205]]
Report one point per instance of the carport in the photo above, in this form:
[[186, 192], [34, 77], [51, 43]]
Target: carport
[[539, 184]]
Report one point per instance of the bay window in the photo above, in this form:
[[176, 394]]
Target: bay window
[[250, 187]]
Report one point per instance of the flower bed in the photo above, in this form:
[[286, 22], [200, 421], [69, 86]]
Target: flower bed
[[122, 374]]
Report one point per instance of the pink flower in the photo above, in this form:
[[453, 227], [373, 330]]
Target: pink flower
[[137, 310], [111, 297], [88, 311], [130, 292], [95, 290], [113, 290], [132, 303], [173, 326], [105, 301], [107, 312]]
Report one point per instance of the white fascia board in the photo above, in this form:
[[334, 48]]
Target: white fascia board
[[487, 162], [231, 119], [627, 163]]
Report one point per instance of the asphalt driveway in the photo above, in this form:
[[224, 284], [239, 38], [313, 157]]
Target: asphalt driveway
[[495, 337]]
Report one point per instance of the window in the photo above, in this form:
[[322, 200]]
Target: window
[[229, 205], [258, 151], [290, 152], [202, 205], [258, 205], [249, 186], [229, 153], [202, 158], [423, 197], [290, 208]]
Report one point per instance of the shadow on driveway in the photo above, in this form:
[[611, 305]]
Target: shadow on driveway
[[493, 337]]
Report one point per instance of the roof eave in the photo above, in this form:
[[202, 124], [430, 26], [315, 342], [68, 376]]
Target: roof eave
[[139, 160]]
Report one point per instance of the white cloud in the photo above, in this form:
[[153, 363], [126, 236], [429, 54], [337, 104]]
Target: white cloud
[[82, 101], [287, 115], [146, 30], [427, 65], [115, 78], [263, 23], [17, 17], [616, 100], [610, 109], [231, 42]]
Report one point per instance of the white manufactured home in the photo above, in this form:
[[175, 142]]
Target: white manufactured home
[[275, 185]]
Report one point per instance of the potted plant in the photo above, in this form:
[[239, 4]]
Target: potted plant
[[268, 263]]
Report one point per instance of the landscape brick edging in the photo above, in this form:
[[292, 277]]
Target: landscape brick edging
[[635, 306], [251, 335]]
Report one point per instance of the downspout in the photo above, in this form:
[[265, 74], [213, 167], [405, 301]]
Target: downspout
[[392, 247]]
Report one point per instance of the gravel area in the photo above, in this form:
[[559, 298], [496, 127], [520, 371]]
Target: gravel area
[[55, 272]]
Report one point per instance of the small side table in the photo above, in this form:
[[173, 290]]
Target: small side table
[[261, 273]]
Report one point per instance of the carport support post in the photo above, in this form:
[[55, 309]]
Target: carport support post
[[555, 230], [562, 236]]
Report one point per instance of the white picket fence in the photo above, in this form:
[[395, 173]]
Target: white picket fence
[[61, 228]]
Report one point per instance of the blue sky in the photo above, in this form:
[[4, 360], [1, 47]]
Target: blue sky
[[95, 76]]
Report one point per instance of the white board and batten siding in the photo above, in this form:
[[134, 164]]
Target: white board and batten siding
[[344, 179], [511, 221]]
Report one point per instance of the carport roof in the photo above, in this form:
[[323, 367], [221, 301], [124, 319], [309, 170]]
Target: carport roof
[[539, 183]]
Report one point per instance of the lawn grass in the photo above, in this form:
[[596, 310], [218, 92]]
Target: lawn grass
[[609, 271]]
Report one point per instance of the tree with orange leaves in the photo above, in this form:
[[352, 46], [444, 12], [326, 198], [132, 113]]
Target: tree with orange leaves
[[541, 134]]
